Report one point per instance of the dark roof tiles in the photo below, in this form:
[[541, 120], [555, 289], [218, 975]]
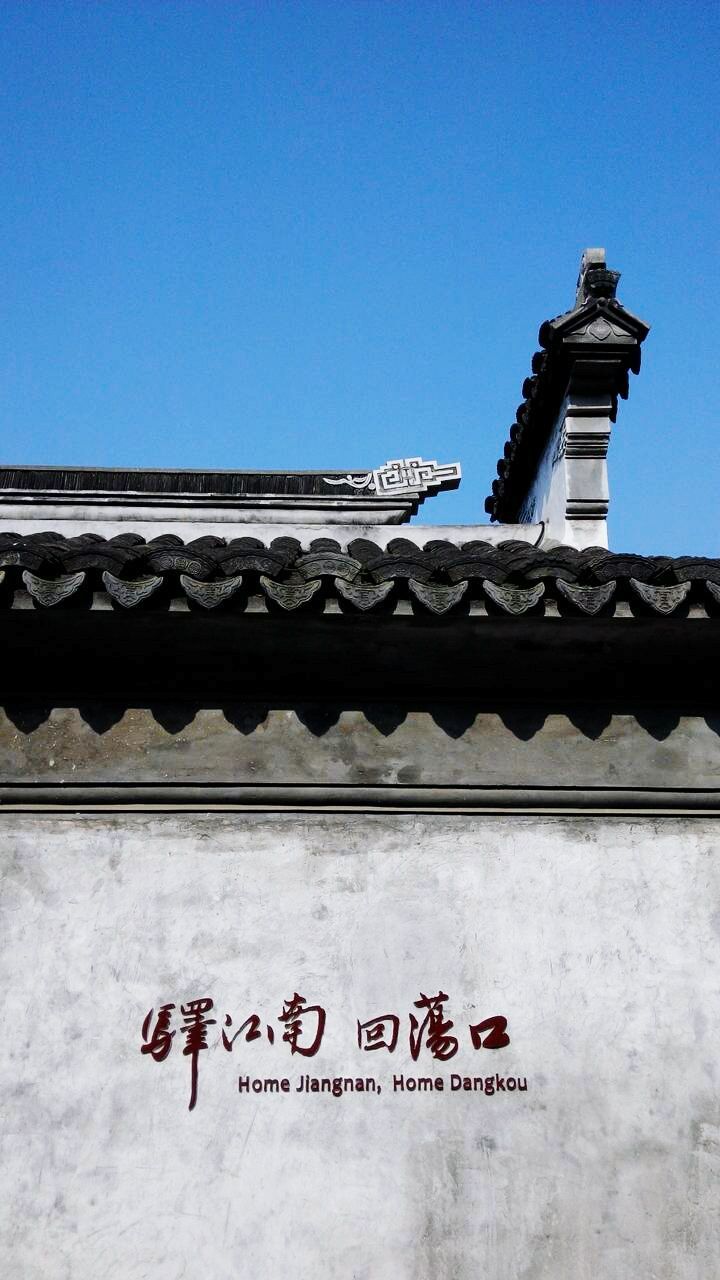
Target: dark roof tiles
[[439, 577]]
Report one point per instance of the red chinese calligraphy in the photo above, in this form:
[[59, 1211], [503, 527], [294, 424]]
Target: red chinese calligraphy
[[159, 1043], [379, 1033], [293, 1013], [195, 1032], [304, 1027], [496, 1037], [251, 1028], [434, 1028]]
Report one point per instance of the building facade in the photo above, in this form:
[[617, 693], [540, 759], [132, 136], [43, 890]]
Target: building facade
[[361, 882]]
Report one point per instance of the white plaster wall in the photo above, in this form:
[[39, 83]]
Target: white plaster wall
[[72, 521], [597, 938], [547, 496]]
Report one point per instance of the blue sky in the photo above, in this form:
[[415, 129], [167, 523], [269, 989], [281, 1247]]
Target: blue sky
[[307, 235]]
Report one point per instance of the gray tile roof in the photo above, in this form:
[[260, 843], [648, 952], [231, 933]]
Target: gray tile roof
[[440, 578]]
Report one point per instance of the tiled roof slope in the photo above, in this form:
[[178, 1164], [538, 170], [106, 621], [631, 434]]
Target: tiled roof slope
[[440, 578], [80, 480]]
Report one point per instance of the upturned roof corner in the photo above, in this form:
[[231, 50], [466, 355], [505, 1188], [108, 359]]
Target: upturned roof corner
[[586, 356], [597, 317]]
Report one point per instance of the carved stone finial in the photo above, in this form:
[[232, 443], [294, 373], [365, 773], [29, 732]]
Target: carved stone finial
[[595, 280], [601, 284], [591, 259]]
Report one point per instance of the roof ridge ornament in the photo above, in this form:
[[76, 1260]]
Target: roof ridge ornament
[[403, 475], [218, 501], [595, 280], [554, 464]]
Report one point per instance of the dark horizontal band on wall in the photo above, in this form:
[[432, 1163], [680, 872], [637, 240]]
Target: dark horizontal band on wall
[[497, 799]]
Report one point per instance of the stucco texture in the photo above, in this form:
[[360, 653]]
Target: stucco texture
[[596, 938]]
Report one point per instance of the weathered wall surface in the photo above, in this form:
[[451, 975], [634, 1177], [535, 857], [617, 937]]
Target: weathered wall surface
[[596, 938], [387, 744]]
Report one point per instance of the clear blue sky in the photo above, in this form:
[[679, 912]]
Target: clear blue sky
[[321, 234]]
